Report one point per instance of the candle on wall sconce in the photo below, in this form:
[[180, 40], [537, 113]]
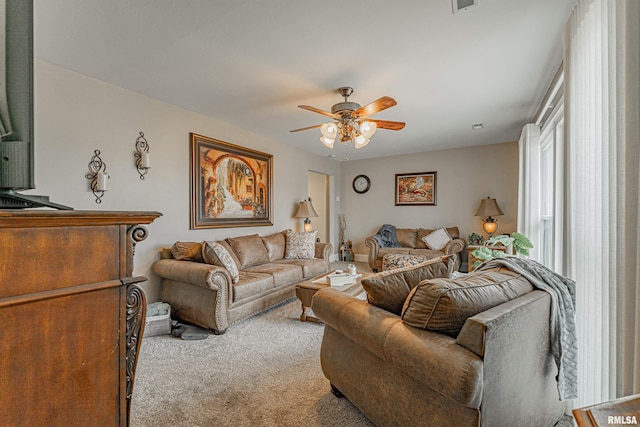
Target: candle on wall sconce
[[142, 156], [101, 184], [98, 176], [146, 160]]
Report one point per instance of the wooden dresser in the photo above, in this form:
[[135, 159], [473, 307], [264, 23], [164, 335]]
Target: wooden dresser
[[71, 316]]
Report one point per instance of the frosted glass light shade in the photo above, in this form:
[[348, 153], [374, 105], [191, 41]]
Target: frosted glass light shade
[[328, 142], [360, 141], [329, 130], [367, 129]]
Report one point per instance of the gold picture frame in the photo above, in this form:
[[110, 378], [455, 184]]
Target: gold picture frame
[[230, 186], [416, 189]]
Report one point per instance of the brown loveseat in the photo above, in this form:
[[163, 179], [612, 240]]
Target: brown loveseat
[[411, 243], [492, 369], [206, 295]]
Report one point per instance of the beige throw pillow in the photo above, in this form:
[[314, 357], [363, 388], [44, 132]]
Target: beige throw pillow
[[301, 245], [215, 254], [437, 239]]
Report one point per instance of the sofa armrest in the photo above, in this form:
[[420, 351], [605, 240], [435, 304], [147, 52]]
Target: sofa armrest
[[454, 246], [194, 273], [514, 341], [431, 358], [374, 247], [323, 250]]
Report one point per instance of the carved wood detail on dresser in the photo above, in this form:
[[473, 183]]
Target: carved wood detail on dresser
[[72, 316]]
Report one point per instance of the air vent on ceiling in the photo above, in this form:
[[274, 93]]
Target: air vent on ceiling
[[461, 5]]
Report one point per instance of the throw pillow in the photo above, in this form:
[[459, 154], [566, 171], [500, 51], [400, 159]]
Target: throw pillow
[[250, 250], [215, 254], [301, 245], [389, 289], [393, 261], [187, 251], [444, 305], [437, 239]]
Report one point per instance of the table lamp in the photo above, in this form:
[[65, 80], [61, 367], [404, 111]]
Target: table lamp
[[489, 208], [306, 211]]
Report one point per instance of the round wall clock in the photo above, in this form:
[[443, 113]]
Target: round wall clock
[[361, 184]]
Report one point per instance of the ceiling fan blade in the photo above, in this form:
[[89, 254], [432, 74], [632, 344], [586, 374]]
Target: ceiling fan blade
[[307, 128], [376, 106], [316, 110], [388, 124]]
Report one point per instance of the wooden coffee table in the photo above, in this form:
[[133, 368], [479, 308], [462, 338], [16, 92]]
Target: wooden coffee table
[[307, 289]]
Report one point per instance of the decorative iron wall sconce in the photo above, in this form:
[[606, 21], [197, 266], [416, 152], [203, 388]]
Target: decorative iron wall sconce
[[98, 176], [142, 156]]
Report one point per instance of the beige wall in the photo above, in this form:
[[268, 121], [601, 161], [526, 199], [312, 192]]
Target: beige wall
[[76, 115], [465, 176]]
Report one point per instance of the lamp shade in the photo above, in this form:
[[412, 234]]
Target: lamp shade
[[305, 210], [489, 207], [360, 141], [367, 129]]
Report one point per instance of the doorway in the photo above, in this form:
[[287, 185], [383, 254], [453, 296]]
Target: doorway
[[319, 195]]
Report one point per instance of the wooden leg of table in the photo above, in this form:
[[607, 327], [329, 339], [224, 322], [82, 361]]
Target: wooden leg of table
[[303, 316]]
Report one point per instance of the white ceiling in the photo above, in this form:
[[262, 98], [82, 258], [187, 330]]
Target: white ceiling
[[250, 63]]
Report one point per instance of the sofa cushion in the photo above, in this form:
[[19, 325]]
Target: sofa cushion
[[275, 244], [443, 304], [251, 285], [283, 274], [454, 232], [187, 251], [300, 245], [406, 237], [389, 289], [249, 249], [437, 239], [215, 254], [310, 267]]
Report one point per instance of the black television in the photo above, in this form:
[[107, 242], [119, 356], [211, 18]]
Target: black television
[[16, 107]]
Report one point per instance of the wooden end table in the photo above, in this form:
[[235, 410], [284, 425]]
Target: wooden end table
[[307, 289], [471, 259]]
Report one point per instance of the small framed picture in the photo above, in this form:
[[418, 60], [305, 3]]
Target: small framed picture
[[416, 189]]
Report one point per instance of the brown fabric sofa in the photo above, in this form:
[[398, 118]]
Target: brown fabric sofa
[[492, 369], [205, 295], [410, 240]]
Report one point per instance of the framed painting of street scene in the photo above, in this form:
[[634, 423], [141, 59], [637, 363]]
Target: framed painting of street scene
[[230, 185], [416, 189]]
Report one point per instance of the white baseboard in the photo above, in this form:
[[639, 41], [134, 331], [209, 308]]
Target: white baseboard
[[362, 257]]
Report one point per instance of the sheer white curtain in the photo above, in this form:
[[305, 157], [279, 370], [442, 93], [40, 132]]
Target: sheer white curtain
[[529, 187], [601, 193]]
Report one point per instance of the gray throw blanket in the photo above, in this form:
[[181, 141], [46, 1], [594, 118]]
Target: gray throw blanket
[[562, 321], [386, 237]]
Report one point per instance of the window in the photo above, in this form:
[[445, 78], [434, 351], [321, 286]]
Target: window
[[551, 182]]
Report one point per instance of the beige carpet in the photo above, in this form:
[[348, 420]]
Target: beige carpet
[[265, 371]]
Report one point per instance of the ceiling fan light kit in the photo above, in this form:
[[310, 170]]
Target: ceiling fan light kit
[[352, 122]]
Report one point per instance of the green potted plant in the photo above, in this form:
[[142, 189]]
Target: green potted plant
[[521, 245]]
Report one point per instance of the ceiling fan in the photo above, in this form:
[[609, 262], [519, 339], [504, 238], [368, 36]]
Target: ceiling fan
[[352, 122]]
